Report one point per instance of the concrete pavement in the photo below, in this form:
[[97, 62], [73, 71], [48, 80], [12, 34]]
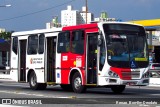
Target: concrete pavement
[[7, 77]]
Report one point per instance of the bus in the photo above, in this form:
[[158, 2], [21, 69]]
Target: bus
[[101, 54]]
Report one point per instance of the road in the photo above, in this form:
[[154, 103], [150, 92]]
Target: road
[[133, 96]]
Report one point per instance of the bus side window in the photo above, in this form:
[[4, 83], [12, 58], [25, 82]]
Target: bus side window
[[41, 44], [63, 42], [15, 45], [77, 42], [32, 44]]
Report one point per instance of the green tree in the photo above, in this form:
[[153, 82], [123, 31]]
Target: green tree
[[5, 35]]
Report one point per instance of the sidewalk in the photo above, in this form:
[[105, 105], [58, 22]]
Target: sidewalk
[[5, 76]]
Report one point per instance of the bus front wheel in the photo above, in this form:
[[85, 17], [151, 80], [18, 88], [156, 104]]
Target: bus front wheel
[[77, 83], [33, 83], [118, 88]]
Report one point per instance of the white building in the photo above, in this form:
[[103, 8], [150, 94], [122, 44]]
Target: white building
[[90, 16], [74, 17], [2, 30]]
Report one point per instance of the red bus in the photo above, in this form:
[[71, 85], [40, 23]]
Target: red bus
[[105, 54]]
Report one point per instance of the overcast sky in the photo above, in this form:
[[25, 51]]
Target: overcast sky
[[33, 14]]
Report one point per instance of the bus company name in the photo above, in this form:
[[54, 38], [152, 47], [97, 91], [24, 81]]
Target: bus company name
[[35, 60]]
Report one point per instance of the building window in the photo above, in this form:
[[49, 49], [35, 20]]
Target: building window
[[77, 42], [32, 44], [41, 44], [63, 42]]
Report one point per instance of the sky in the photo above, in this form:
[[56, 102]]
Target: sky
[[34, 14]]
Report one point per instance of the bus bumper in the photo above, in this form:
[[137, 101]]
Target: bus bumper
[[118, 81], [142, 82]]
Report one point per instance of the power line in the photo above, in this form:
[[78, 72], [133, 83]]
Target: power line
[[37, 11]]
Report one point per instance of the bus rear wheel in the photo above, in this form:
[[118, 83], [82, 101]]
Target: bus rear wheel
[[33, 83], [77, 83], [118, 88]]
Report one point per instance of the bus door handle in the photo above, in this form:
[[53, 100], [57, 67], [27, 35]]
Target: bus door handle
[[58, 68]]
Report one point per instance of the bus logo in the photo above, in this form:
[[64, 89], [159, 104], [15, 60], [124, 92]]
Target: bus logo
[[133, 65]]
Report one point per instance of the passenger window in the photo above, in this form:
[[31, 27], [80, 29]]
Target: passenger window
[[32, 44], [15, 45], [41, 44], [77, 42], [63, 42]]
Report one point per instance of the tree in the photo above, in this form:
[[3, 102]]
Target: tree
[[5, 35]]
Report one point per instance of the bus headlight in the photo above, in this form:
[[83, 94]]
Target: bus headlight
[[113, 74]]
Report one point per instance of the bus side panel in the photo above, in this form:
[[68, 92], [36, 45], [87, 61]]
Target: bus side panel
[[14, 67], [58, 70], [14, 64], [69, 61], [36, 62], [65, 67]]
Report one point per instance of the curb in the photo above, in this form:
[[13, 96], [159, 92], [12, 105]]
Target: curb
[[5, 76]]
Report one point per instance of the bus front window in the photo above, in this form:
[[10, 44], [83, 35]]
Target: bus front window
[[117, 48], [126, 44], [137, 47]]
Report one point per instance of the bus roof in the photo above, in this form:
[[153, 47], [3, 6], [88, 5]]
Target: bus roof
[[94, 26], [37, 31]]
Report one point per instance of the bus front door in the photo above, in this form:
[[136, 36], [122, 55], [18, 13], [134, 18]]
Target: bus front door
[[92, 59], [51, 58], [22, 61]]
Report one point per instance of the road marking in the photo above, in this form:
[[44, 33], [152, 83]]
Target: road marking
[[37, 95], [155, 94], [3, 105], [12, 85]]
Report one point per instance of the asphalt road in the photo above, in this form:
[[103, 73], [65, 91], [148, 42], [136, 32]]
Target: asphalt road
[[94, 97]]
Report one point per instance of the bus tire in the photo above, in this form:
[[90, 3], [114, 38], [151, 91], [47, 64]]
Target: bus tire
[[118, 88], [77, 83], [66, 87], [33, 83]]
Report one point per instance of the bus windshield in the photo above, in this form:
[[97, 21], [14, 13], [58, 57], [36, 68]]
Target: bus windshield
[[126, 47]]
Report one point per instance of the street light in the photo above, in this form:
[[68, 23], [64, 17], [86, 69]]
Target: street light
[[8, 5]]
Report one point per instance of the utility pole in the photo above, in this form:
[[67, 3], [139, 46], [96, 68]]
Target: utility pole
[[86, 10]]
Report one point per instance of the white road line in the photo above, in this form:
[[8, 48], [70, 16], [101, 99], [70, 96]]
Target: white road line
[[3, 105], [12, 85], [155, 94], [38, 95]]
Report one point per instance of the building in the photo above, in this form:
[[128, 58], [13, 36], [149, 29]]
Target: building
[[53, 23], [104, 17], [2, 30], [4, 52], [90, 16], [71, 17]]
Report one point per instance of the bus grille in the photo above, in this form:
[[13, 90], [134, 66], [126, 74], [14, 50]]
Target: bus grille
[[132, 75]]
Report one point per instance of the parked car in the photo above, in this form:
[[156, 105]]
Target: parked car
[[154, 67], [154, 78], [4, 69], [154, 74]]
